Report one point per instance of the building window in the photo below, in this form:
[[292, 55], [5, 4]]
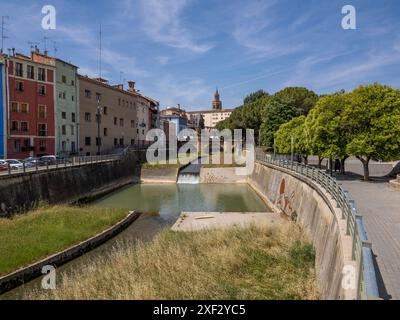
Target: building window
[[72, 98], [98, 141], [143, 131], [24, 108], [42, 130], [63, 79], [41, 74], [137, 131], [115, 141], [88, 94], [17, 145], [63, 146], [42, 112], [73, 147], [64, 95], [63, 130], [30, 72], [19, 86], [24, 126], [72, 82], [14, 126], [42, 145], [19, 71], [72, 130], [121, 122], [105, 131], [88, 117], [119, 101], [73, 117], [98, 97], [115, 121], [88, 141], [132, 142], [42, 90], [14, 107], [63, 115], [105, 110]]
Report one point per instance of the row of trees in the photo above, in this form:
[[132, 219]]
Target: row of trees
[[364, 123]]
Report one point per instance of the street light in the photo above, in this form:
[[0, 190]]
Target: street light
[[98, 120]]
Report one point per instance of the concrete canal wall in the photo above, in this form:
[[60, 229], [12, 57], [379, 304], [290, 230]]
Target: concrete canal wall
[[220, 175], [20, 192], [159, 174], [297, 198]]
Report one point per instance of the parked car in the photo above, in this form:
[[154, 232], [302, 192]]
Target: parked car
[[15, 164], [3, 165], [31, 162], [47, 160]]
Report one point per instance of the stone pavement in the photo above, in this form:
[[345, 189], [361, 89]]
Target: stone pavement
[[379, 203]]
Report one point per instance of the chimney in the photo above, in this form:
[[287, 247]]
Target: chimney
[[131, 85]]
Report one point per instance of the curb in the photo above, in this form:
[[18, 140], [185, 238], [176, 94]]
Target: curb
[[21, 276]]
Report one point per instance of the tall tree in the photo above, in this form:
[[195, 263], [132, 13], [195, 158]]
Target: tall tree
[[292, 136], [277, 111], [303, 99], [373, 116], [327, 131]]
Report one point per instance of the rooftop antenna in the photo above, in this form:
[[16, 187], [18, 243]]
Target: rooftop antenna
[[45, 43], [33, 45], [55, 48], [3, 28], [100, 53]]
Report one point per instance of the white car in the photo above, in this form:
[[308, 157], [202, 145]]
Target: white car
[[15, 164]]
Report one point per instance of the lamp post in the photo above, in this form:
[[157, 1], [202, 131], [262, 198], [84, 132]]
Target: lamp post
[[98, 120]]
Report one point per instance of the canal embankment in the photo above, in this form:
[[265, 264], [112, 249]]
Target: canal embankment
[[53, 236]]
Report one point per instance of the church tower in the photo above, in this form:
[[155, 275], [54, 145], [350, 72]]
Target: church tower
[[217, 103]]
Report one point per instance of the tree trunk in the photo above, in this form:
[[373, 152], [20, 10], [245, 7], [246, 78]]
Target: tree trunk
[[320, 159], [365, 163], [305, 160], [343, 165]]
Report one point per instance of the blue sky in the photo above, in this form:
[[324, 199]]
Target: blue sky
[[178, 51]]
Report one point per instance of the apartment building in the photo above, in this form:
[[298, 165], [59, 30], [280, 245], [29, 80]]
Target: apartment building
[[3, 124], [125, 116], [67, 108], [30, 125]]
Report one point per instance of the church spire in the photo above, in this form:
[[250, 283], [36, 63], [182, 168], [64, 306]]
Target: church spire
[[217, 103]]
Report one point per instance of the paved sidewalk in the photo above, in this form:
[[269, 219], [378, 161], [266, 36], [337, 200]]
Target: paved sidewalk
[[380, 205]]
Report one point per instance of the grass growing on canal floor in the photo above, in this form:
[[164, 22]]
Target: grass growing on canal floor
[[251, 263], [31, 237]]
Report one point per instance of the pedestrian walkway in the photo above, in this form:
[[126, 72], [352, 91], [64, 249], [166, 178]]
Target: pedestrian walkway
[[380, 205]]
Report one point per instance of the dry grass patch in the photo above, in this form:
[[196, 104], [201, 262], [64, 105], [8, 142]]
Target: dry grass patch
[[251, 263]]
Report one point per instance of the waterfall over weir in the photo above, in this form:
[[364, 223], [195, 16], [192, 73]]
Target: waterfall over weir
[[190, 174]]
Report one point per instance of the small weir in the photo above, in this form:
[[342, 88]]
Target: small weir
[[190, 174]]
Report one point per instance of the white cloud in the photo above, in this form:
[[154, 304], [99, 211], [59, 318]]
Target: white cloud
[[162, 22]]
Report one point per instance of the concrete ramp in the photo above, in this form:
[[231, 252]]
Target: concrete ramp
[[167, 174], [195, 221]]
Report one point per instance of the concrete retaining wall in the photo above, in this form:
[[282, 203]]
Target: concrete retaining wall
[[297, 198], [159, 175], [220, 175], [67, 185]]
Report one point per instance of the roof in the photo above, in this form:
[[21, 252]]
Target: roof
[[211, 111]]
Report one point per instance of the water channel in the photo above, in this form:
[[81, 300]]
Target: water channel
[[161, 205]]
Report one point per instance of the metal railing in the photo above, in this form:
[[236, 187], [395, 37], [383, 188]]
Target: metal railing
[[367, 287], [51, 164]]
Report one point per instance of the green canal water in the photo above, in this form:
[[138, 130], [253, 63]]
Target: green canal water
[[161, 205], [170, 200]]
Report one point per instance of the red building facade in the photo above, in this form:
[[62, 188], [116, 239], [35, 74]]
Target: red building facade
[[31, 106]]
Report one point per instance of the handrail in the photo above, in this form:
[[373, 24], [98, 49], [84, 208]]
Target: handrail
[[367, 287]]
